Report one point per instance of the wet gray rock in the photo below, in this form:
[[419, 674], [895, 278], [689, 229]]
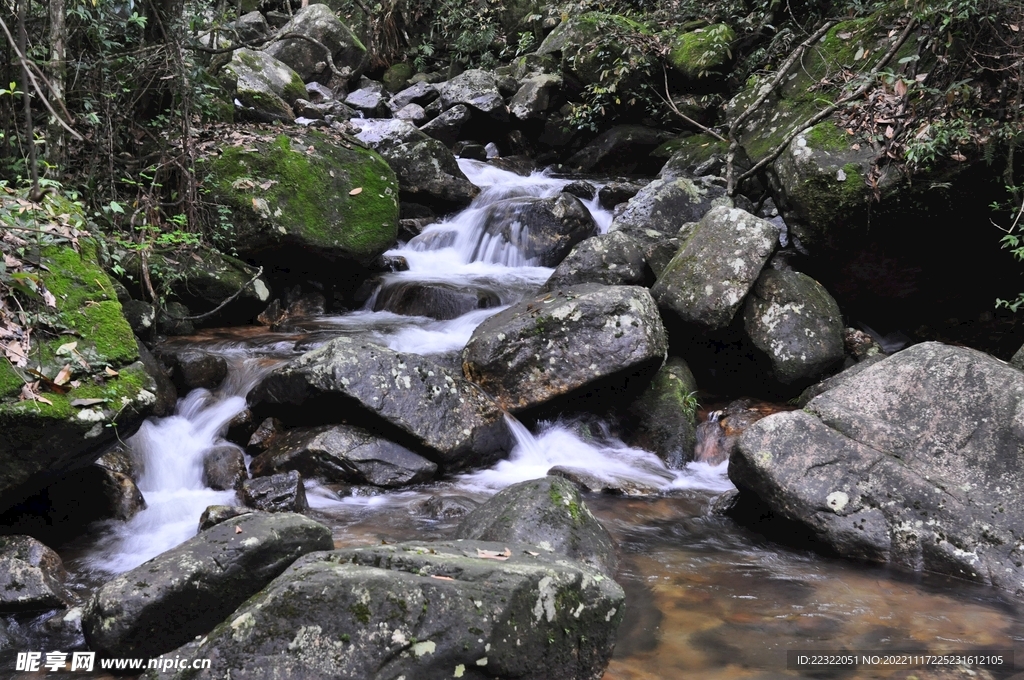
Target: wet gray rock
[[434, 300], [793, 320], [421, 610], [548, 346], [413, 113], [224, 468], [264, 435], [141, 316], [166, 393], [343, 453], [427, 171], [265, 84], [659, 210], [420, 93], [836, 380], [585, 480], [447, 126], [708, 279], [32, 576], [444, 506], [544, 230], [614, 193], [547, 513], [188, 590], [370, 100], [581, 189], [666, 414], [215, 514], [192, 368], [407, 397], [308, 59], [914, 462], [622, 149], [282, 492], [476, 88], [534, 96], [611, 259]]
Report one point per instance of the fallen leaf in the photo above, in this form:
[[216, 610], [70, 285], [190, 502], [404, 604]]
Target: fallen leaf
[[845, 35], [531, 553], [47, 383], [493, 555], [87, 402], [1014, 27], [238, 529], [67, 348], [269, 183], [959, 157], [442, 578], [111, 372], [64, 375], [356, 191], [900, 87], [889, 132], [75, 384]]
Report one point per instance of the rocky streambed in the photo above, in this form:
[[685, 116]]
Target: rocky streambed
[[500, 469]]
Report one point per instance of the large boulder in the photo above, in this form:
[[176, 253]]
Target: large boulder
[[915, 462], [32, 576], [541, 230], [705, 283], [305, 200], [201, 278], [264, 84], [280, 492], [535, 96], [584, 42], [548, 346], [476, 88], [659, 210], [406, 397], [548, 513], [186, 591], [442, 301], [793, 320], [427, 171], [421, 610], [343, 453], [107, 391], [309, 59], [609, 259]]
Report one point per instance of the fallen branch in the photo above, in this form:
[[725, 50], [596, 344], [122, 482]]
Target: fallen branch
[[668, 100], [221, 306], [828, 110]]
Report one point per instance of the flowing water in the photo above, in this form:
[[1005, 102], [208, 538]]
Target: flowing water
[[705, 597]]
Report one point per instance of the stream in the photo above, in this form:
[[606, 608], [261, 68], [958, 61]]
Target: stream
[[704, 595]]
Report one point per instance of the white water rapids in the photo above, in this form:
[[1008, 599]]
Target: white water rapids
[[455, 251]]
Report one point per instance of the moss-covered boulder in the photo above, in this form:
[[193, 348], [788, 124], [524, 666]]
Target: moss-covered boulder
[[575, 41], [305, 200], [666, 414], [110, 391], [696, 53], [202, 278], [263, 84], [691, 156]]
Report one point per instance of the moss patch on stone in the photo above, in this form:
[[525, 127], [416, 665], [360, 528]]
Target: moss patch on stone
[[697, 52], [297, 188], [827, 137]]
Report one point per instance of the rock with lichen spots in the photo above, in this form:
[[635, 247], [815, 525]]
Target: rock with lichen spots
[[468, 609], [186, 591]]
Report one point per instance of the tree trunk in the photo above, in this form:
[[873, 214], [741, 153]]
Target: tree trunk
[[55, 143]]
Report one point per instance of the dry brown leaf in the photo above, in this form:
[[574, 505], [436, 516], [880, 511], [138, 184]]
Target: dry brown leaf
[[238, 529], [356, 191], [48, 298], [959, 157], [67, 348], [900, 87], [16, 353], [442, 578], [493, 555], [111, 372], [531, 553], [63, 375], [889, 132]]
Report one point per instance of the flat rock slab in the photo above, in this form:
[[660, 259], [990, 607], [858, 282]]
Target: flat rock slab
[[545, 347], [914, 461], [429, 406], [463, 609], [186, 591]]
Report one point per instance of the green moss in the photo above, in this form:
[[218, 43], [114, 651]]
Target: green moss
[[296, 89], [827, 137], [361, 612], [10, 381], [826, 197], [697, 52], [309, 193]]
